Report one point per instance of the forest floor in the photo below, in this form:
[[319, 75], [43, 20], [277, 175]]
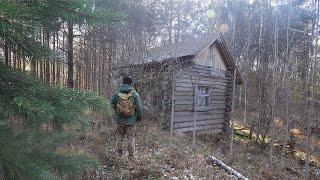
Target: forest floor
[[155, 159]]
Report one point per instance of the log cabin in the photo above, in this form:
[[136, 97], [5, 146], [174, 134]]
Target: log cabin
[[187, 85]]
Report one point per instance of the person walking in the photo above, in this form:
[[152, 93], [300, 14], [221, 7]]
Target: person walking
[[127, 106]]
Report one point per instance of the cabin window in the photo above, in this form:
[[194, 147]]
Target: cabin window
[[203, 96]]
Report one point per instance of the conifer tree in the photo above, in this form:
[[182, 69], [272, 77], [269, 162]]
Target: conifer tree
[[27, 149]]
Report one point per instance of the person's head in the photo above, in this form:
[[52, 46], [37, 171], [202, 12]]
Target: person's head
[[127, 80]]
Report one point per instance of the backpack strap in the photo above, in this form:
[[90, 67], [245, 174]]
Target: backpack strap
[[132, 91], [126, 95]]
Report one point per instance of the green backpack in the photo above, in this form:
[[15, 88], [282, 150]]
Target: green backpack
[[126, 105]]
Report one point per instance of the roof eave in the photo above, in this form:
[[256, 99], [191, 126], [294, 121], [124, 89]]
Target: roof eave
[[229, 59]]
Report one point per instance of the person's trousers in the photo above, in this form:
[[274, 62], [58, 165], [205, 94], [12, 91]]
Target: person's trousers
[[128, 132]]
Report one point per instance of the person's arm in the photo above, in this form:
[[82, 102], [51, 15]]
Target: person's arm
[[138, 110]]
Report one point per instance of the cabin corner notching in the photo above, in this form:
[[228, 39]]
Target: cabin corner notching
[[202, 83]]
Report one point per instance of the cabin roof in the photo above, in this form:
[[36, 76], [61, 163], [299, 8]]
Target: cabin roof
[[188, 48], [184, 48]]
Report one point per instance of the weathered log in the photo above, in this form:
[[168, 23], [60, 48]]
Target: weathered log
[[227, 168]]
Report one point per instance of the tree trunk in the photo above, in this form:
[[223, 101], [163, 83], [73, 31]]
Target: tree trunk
[[287, 90], [94, 64], [70, 82], [232, 113], [14, 57], [58, 62], [273, 93], [46, 39], [53, 63], [311, 114], [6, 53]]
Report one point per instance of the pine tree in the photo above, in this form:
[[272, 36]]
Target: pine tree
[[27, 149]]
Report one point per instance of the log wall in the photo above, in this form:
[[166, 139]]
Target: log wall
[[158, 84], [210, 118]]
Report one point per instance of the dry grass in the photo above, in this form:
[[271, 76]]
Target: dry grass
[[155, 159]]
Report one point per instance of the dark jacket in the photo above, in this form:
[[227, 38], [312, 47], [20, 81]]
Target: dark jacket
[[125, 88]]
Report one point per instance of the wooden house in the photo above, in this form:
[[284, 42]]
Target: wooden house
[[198, 74]]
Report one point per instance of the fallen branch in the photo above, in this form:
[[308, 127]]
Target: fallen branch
[[227, 168]]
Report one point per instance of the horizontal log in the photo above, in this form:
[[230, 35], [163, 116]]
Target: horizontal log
[[185, 91], [184, 102], [198, 123], [210, 131], [217, 98], [202, 80], [220, 120], [180, 107], [199, 118], [209, 85], [200, 128], [209, 71], [227, 168], [190, 101], [197, 66], [188, 76], [214, 91], [206, 74], [189, 96], [221, 96], [191, 113]]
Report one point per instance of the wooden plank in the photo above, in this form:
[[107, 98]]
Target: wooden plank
[[203, 117], [204, 127], [211, 82], [184, 101], [218, 71], [180, 107], [178, 88], [210, 131], [190, 102], [210, 112], [202, 80], [208, 70], [200, 128], [218, 91], [211, 85], [198, 123], [217, 98], [184, 90], [205, 74], [184, 93], [221, 96], [202, 76]]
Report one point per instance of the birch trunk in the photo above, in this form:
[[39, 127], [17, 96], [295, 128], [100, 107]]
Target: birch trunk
[[172, 106], [311, 114], [232, 113], [196, 79]]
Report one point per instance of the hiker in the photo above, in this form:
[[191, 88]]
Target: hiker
[[127, 106]]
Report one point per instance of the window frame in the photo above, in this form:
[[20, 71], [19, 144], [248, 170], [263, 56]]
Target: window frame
[[203, 95]]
